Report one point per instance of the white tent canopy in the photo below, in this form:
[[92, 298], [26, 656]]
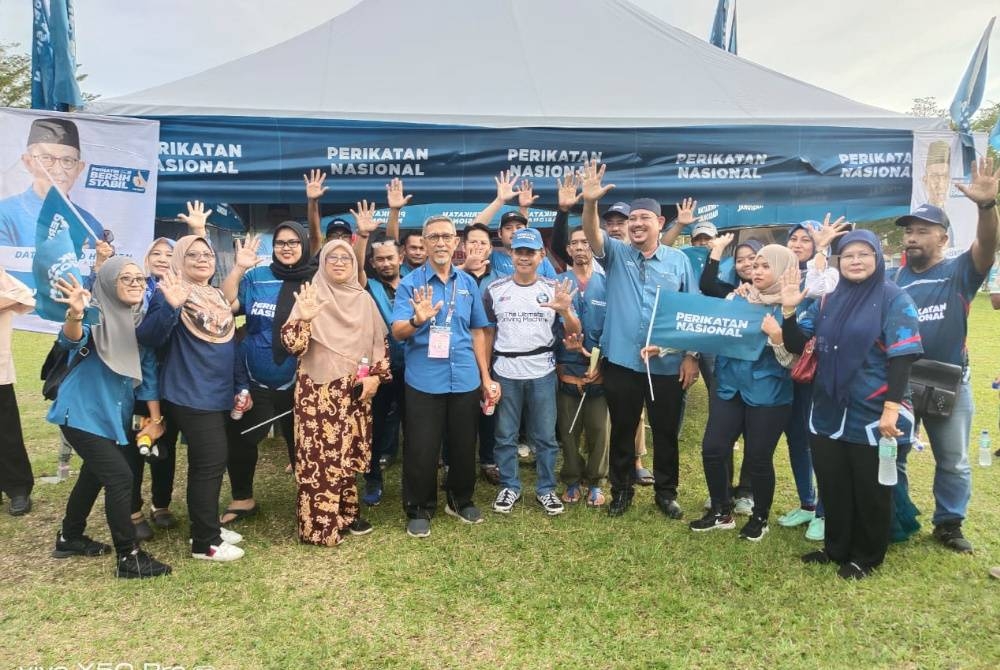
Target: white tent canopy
[[504, 63]]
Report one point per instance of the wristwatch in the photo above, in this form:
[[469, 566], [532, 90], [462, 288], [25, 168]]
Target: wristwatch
[[988, 205], [413, 321]]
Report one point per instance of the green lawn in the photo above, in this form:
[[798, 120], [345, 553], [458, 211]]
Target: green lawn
[[527, 591]]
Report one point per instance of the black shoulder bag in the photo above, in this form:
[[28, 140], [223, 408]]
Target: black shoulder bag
[[56, 366]]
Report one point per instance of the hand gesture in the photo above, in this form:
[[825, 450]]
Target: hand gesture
[[314, 184], [562, 299], [983, 182], [394, 194], [689, 372], [593, 173], [771, 327], [685, 211], [76, 297], [567, 188], [574, 342], [828, 232], [423, 308], [369, 387], [246, 252], [719, 244], [649, 352], [743, 290], [308, 302], [104, 251], [791, 294], [525, 194], [175, 291], [505, 186], [196, 217], [364, 217], [476, 256]]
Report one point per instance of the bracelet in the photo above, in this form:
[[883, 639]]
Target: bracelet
[[70, 317], [894, 406], [413, 321], [158, 421], [787, 313]]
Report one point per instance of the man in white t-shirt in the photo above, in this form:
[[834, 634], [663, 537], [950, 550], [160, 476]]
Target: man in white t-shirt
[[529, 315]]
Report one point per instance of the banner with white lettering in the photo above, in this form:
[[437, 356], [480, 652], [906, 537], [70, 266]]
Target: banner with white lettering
[[692, 322], [106, 168]]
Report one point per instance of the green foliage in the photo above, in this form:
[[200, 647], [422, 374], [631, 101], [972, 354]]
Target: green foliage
[[15, 77]]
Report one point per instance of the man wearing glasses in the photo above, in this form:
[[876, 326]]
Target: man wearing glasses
[[53, 159]]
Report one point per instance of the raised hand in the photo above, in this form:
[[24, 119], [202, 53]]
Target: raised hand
[[423, 308], [196, 217], [364, 217], [308, 302], [574, 342], [525, 194], [394, 194], [983, 182], [104, 251], [743, 290], [246, 252], [568, 195], [791, 294], [593, 173], [771, 327], [685, 211], [562, 300], [174, 290], [828, 232], [719, 244], [505, 186], [75, 296], [314, 184]]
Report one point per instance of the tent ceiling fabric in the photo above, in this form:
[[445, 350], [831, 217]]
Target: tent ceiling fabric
[[504, 63]]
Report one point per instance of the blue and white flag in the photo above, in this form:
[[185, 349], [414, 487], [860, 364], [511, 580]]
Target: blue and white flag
[[56, 256], [732, 32], [718, 37], [995, 136], [53, 56], [692, 322], [969, 96]]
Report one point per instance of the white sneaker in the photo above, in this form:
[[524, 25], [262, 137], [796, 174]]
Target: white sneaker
[[230, 536], [223, 553], [744, 506]]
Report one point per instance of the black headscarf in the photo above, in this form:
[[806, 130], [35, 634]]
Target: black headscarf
[[292, 277]]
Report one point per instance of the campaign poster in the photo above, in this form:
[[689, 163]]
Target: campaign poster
[[105, 169]]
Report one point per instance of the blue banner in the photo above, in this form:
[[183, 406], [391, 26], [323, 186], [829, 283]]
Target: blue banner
[[692, 322], [740, 175], [55, 256]]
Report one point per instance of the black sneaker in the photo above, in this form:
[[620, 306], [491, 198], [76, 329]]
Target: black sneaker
[[360, 527], [852, 570], [143, 531], [713, 520], [137, 564], [818, 557], [79, 546], [950, 535], [755, 529], [669, 507], [620, 502]]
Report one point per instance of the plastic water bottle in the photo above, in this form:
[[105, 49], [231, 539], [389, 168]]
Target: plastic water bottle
[[985, 455], [240, 406], [887, 461], [364, 368]]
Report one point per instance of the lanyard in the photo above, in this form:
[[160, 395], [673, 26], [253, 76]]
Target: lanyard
[[451, 304]]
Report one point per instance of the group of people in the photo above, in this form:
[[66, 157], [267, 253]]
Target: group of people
[[353, 335]]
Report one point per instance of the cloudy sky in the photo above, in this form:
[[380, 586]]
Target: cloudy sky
[[880, 53]]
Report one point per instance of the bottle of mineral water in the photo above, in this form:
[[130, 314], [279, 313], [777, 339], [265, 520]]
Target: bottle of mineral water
[[887, 461], [985, 455]]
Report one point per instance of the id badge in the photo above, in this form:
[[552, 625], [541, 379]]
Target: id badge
[[440, 342]]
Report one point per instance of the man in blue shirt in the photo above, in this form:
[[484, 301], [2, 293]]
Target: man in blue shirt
[[501, 261], [943, 290], [438, 314], [635, 273]]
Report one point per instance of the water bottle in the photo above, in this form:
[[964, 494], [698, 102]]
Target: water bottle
[[488, 405], [985, 455], [364, 368], [887, 461], [240, 406]]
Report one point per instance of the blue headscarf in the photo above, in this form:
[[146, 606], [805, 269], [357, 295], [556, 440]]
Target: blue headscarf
[[850, 322], [810, 226]]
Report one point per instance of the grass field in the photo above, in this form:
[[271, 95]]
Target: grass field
[[579, 590]]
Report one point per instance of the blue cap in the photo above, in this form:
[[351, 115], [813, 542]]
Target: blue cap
[[646, 203], [527, 238], [927, 213], [339, 223], [621, 208]]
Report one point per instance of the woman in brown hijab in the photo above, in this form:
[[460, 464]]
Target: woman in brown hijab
[[335, 330]]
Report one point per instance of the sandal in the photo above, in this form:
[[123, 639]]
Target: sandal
[[644, 477], [595, 497], [572, 494], [238, 515], [162, 518]]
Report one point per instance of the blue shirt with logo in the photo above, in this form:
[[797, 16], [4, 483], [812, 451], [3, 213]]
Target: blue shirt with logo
[[760, 383], [383, 294], [632, 280], [258, 296], [502, 263], [590, 305], [943, 295], [459, 373]]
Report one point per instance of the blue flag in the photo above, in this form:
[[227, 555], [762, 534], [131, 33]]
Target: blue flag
[[692, 322], [53, 57], [995, 136], [718, 37], [969, 96], [55, 254], [41, 59], [732, 32]]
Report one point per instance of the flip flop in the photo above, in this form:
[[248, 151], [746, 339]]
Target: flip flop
[[572, 494], [238, 515], [595, 497], [644, 477]]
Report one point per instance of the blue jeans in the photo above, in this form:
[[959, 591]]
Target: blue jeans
[[538, 396], [949, 438], [797, 437]]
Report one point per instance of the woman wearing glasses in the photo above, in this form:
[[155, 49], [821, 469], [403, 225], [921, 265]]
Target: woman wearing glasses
[[265, 295], [338, 335], [190, 321]]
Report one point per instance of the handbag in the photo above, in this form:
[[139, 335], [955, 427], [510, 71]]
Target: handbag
[[805, 369], [934, 387], [56, 366]]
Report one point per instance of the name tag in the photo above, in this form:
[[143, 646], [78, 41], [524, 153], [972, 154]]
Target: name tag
[[439, 344]]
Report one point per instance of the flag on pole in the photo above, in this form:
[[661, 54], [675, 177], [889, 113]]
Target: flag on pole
[[53, 57], [718, 37], [55, 254], [732, 32], [969, 95], [41, 57]]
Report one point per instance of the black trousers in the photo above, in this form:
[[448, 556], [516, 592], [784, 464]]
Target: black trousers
[[626, 391], [104, 466], [761, 428], [205, 432], [858, 508], [16, 478], [161, 471], [429, 418], [388, 410], [243, 452]]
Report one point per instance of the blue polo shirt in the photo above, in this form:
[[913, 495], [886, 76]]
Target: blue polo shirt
[[459, 373], [502, 263], [943, 295], [590, 305], [383, 294], [699, 257], [258, 296], [760, 383], [19, 219], [631, 290]]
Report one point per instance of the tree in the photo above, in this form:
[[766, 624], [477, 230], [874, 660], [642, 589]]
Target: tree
[[927, 108], [15, 77]]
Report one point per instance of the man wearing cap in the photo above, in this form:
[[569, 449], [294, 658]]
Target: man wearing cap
[[635, 272], [501, 260], [528, 316], [52, 158], [943, 290]]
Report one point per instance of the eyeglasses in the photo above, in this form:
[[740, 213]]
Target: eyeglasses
[[434, 238], [131, 280], [199, 255], [337, 259], [287, 244], [48, 160], [863, 256]]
